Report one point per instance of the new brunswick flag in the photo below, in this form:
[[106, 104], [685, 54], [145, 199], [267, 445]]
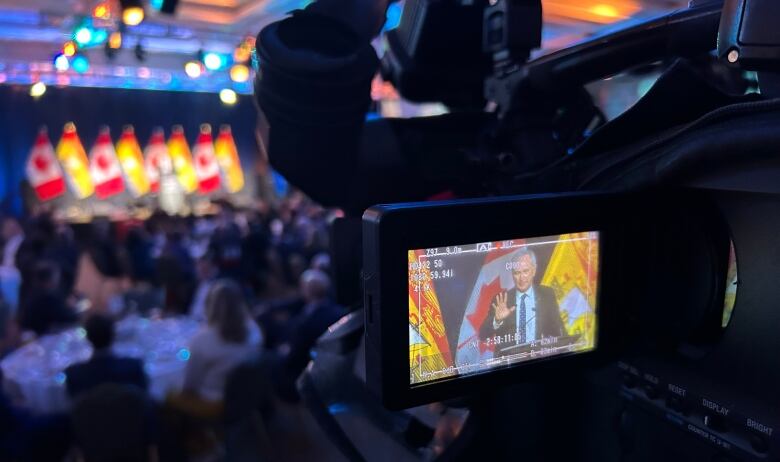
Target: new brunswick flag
[[181, 157], [573, 275], [132, 160], [229, 163], [74, 161], [429, 351]]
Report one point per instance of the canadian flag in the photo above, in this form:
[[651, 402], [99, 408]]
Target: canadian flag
[[43, 170], [157, 161], [104, 167], [206, 166], [493, 278]]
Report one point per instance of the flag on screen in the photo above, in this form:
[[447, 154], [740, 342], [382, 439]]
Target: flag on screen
[[132, 161], [229, 163], [206, 166], [429, 350], [104, 167], [157, 162], [493, 279], [573, 275], [43, 171], [182, 160], [74, 161]]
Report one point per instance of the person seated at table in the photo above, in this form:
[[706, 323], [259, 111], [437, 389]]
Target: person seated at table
[[229, 338], [46, 309], [103, 366], [318, 313], [207, 270]]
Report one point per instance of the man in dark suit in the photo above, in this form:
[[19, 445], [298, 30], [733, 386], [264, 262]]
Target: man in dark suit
[[103, 367], [523, 314]]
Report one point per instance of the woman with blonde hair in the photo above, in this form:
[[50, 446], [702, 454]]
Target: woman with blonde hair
[[229, 338]]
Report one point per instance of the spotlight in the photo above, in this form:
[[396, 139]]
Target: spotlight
[[80, 64], [101, 11], [69, 49], [37, 89], [239, 73], [61, 62], [115, 40], [132, 12], [193, 69], [83, 35], [212, 61], [228, 96]]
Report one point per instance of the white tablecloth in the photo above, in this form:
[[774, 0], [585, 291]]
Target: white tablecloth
[[35, 372]]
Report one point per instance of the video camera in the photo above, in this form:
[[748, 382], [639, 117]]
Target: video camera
[[613, 282]]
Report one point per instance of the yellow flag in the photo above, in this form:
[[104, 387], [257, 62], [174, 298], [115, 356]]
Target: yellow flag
[[229, 163], [73, 158], [429, 352], [573, 275], [180, 155], [132, 160]]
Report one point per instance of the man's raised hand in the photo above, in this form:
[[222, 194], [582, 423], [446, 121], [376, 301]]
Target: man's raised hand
[[500, 308]]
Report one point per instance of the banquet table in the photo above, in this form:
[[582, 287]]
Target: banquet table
[[35, 373]]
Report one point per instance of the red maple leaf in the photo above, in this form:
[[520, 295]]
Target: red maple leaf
[[204, 160], [41, 163], [103, 162]]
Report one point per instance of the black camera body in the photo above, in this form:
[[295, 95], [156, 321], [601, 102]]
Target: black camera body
[[451, 241], [673, 358], [610, 245]]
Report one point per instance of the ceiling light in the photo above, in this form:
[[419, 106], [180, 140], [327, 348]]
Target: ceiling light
[[101, 11], [228, 96], [69, 48], [83, 35], [193, 69], [61, 62], [239, 73], [80, 64], [132, 12], [37, 89], [212, 61], [115, 40]]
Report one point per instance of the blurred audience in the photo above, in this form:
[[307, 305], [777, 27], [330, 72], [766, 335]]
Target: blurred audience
[[271, 261], [13, 236], [176, 273], [103, 366], [46, 309], [207, 271]]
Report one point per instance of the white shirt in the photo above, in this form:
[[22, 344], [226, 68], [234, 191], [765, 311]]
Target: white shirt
[[212, 359]]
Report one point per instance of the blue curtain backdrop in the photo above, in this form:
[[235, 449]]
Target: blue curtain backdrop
[[89, 108]]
